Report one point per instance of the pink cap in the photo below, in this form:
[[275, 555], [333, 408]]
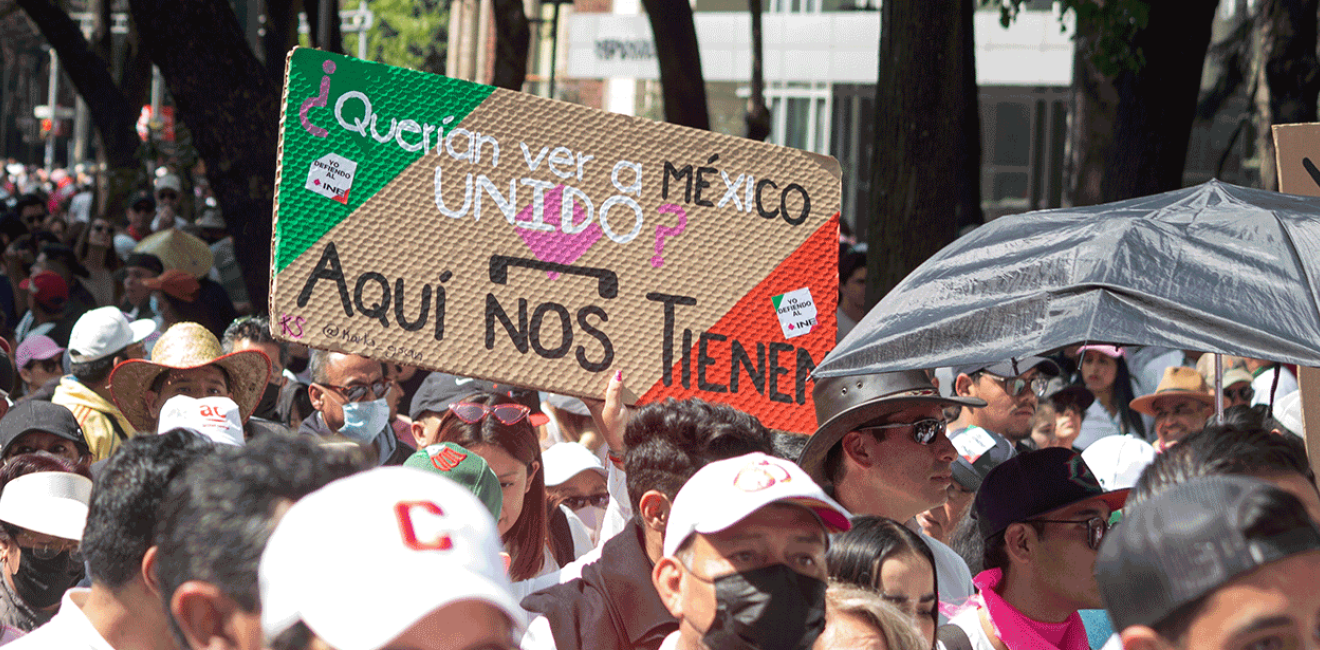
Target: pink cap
[[36, 346], [1111, 351]]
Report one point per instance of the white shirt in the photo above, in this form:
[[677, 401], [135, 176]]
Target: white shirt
[[670, 642], [68, 630], [1261, 384], [970, 622], [952, 576], [1096, 425]]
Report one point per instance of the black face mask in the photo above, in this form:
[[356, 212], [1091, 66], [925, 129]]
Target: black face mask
[[771, 608], [41, 582], [266, 408]]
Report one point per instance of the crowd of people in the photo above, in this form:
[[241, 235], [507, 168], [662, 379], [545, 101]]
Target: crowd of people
[[174, 478]]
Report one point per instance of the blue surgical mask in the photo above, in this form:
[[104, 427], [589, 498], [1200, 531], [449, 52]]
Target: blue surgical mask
[[363, 421]]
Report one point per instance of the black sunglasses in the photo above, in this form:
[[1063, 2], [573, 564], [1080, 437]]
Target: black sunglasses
[[578, 503], [1245, 393], [355, 393], [923, 431], [1096, 527], [1016, 385]]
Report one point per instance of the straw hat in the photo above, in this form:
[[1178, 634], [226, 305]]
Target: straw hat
[[178, 250], [1178, 381], [181, 347]]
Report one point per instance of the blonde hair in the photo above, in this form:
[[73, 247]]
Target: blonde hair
[[897, 628]]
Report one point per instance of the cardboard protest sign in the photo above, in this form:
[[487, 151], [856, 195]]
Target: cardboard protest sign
[[441, 223], [1297, 159]]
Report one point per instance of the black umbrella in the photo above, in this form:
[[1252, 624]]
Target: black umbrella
[[1216, 267]]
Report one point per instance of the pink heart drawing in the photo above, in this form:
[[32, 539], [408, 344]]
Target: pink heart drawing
[[556, 245]]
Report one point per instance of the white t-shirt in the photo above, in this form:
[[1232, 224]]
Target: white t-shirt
[[1261, 384], [970, 621], [68, 630]]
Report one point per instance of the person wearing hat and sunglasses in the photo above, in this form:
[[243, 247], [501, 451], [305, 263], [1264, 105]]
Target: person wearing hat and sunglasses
[[1216, 563], [1042, 515], [1181, 405], [881, 445], [349, 392], [1010, 390]]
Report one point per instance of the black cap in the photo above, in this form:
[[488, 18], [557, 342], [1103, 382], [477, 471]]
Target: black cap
[[1029, 485], [143, 197], [979, 451], [1011, 367], [1060, 394], [439, 390], [146, 261], [1188, 541], [38, 415]]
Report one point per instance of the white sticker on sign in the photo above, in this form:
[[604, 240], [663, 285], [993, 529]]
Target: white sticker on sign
[[331, 176], [796, 311]]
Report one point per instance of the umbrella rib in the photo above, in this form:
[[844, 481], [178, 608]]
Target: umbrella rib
[[1306, 277]]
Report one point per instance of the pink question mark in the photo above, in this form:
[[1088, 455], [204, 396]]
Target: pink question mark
[[661, 232]]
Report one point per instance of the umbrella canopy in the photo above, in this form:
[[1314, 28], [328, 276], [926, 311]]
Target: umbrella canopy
[[1216, 268]]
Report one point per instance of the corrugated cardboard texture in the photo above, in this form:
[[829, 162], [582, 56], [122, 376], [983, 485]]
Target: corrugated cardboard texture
[[419, 261]]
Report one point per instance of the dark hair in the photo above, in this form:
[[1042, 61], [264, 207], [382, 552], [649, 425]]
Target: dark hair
[[23, 464], [94, 372], [1251, 416], [28, 200], [966, 541], [1220, 450], [58, 252], [12, 227], [1122, 395], [527, 539], [856, 556], [255, 329], [787, 445], [121, 520], [994, 554], [216, 517], [669, 441], [848, 263], [81, 249], [1262, 515], [158, 382]]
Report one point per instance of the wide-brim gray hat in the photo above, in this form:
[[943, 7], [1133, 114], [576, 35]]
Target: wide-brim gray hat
[[844, 403]]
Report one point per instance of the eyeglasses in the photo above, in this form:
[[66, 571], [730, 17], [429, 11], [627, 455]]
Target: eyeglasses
[[45, 548], [1096, 527], [923, 431], [1016, 385], [473, 413], [1245, 393], [578, 503], [168, 196], [357, 392]]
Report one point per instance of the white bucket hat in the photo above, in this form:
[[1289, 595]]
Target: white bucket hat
[[50, 503]]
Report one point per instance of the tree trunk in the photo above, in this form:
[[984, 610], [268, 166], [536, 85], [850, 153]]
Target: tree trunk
[[1287, 74], [513, 38], [112, 113], [757, 119], [925, 140], [225, 97], [323, 25], [681, 81], [1137, 145], [281, 35]]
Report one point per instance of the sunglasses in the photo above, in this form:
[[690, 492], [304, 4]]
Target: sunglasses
[[1016, 385], [1245, 393], [506, 414], [578, 503], [923, 431], [1096, 527], [100, 227], [167, 195], [357, 392]]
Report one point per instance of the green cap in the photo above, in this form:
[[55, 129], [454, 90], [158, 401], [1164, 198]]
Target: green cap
[[463, 467]]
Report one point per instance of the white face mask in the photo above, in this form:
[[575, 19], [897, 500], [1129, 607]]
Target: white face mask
[[593, 517], [363, 421]]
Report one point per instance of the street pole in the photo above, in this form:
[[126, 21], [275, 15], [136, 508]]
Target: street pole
[[51, 95]]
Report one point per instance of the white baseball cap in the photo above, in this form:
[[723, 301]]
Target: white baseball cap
[[51, 503], [564, 460], [431, 543], [1117, 461], [215, 418], [104, 331], [725, 492]]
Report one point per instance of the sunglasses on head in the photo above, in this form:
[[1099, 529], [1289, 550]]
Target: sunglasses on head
[[923, 431], [473, 413]]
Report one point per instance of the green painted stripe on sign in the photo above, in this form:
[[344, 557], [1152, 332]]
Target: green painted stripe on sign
[[358, 118], [776, 300]]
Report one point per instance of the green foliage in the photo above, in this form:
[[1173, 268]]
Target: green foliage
[[1116, 24], [406, 33]]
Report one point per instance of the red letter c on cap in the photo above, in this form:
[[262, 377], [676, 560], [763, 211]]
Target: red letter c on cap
[[403, 511]]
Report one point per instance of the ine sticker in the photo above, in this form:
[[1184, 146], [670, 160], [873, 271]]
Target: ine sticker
[[796, 311], [331, 176]]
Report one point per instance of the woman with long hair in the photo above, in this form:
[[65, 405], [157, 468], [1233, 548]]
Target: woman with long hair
[[1105, 373], [96, 250], [883, 555], [497, 428]]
